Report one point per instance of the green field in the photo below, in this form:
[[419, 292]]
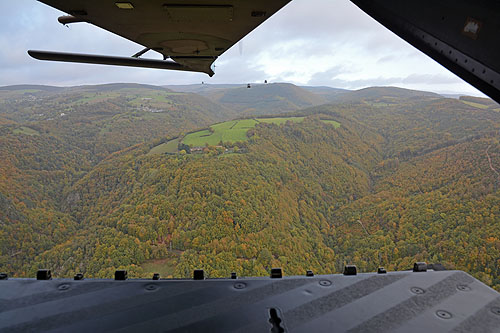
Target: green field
[[280, 120], [168, 147], [476, 105], [26, 131], [229, 131], [95, 98], [165, 267], [236, 130], [136, 99], [151, 99], [334, 123]]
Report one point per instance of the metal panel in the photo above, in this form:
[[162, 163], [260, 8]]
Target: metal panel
[[397, 301], [462, 35], [192, 33]]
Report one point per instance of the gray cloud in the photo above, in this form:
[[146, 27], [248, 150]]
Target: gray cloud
[[324, 78], [408, 81], [429, 78]]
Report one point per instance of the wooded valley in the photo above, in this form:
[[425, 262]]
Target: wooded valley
[[407, 176]]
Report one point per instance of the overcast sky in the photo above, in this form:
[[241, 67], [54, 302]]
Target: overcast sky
[[309, 42]]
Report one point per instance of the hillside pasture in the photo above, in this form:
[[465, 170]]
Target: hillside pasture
[[334, 123], [476, 105], [26, 131], [236, 130], [167, 147], [229, 131]]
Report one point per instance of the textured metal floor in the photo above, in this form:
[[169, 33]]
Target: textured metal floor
[[432, 301]]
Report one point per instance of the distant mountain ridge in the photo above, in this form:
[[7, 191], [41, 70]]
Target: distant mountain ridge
[[329, 93], [118, 86], [30, 87], [97, 87], [260, 99], [240, 97], [272, 98], [263, 98], [383, 93], [202, 89], [275, 98]]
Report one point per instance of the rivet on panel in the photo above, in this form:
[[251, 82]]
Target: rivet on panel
[[417, 290], [239, 285], [325, 283], [443, 314]]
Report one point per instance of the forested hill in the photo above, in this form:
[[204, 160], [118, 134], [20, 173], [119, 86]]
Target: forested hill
[[274, 98], [383, 95], [50, 137], [259, 99], [418, 125], [231, 212], [215, 91], [406, 177]]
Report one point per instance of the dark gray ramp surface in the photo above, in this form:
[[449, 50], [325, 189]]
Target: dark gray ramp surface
[[432, 301]]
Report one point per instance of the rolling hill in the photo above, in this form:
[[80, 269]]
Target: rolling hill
[[383, 96], [50, 138], [272, 98], [229, 133], [29, 87], [260, 99], [409, 176], [205, 89], [330, 94], [481, 103]]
